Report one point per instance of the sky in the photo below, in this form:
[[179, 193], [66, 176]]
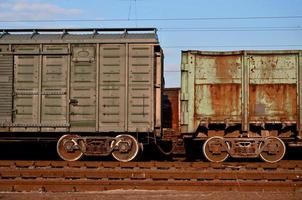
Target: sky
[[216, 25]]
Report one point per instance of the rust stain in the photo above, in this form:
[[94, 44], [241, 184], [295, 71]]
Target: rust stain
[[226, 100], [218, 96], [226, 66], [222, 103], [273, 102], [267, 64]]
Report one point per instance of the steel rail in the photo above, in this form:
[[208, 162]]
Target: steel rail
[[96, 176], [91, 185]]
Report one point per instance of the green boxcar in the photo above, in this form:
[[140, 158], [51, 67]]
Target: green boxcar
[[103, 81]]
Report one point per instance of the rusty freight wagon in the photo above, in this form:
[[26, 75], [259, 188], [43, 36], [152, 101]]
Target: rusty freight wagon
[[242, 103], [95, 88]]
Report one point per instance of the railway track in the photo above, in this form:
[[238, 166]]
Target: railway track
[[58, 176]]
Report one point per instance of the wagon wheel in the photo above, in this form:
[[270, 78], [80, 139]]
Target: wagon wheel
[[68, 149], [126, 148], [215, 149], [273, 149]]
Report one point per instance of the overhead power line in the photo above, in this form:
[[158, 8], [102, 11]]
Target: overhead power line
[[230, 46], [218, 29], [229, 27], [238, 28], [153, 19]]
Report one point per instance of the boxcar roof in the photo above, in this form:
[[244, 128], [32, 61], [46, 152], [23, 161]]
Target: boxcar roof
[[241, 52], [117, 35]]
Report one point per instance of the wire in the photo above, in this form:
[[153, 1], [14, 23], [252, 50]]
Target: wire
[[154, 19], [226, 46], [219, 29], [129, 12], [135, 13], [230, 29]]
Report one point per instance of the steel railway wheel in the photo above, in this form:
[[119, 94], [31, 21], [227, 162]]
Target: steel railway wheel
[[126, 148], [68, 149], [215, 149], [273, 151]]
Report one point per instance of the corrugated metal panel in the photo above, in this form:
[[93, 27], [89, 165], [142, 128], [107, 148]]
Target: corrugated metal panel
[[6, 88], [140, 88], [26, 89], [54, 87], [83, 88], [112, 88]]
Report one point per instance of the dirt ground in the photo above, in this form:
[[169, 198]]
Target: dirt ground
[[154, 195]]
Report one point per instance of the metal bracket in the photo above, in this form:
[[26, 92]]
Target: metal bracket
[[64, 33], [4, 32], [34, 33]]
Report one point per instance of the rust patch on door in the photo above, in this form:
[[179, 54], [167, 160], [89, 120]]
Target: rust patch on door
[[273, 102], [227, 67], [218, 102]]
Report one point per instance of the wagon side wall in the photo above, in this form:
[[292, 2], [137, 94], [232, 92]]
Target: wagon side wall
[[93, 86]]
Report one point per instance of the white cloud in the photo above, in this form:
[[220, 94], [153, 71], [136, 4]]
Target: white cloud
[[50, 8], [24, 9]]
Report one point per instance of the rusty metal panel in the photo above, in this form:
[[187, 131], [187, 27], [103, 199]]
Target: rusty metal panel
[[218, 87], [273, 89], [273, 102], [6, 88], [171, 108], [54, 87], [270, 69], [112, 88], [218, 103], [26, 92], [83, 88], [140, 88], [212, 84]]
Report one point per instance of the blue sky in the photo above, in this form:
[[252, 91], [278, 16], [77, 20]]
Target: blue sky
[[173, 41]]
